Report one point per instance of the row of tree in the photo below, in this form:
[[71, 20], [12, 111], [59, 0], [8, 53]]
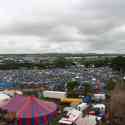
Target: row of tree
[[72, 89], [58, 62], [117, 63], [88, 88]]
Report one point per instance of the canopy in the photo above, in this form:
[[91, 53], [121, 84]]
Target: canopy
[[12, 92], [14, 104], [4, 97], [100, 106], [87, 120], [3, 103], [73, 115], [31, 111], [5, 85]]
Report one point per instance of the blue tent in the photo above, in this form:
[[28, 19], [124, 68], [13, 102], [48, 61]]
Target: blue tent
[[87, 99], [6, 85]]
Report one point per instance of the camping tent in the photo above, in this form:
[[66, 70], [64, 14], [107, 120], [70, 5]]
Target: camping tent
[[32, 111]]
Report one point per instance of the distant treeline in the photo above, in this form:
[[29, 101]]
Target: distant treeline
[[7, 66], [117, 63], [58, 62], [62, 54]]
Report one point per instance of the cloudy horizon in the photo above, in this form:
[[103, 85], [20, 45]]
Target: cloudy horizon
[[62, 26]]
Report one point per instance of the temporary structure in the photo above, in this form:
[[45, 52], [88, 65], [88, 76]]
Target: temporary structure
[[72, 116], [32, 111], [3, 103], [19, 92], [101, 107], [13, 92], [87, 120], [99, 96], [68, 108], [71, 100], [54, 94], [14, 104], [5, 85], [36, 112], [82, 106], [4, 97]]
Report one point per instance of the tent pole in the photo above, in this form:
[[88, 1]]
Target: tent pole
[[16, 122]]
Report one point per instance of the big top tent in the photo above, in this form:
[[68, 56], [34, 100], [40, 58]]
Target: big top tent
[[32, 111]]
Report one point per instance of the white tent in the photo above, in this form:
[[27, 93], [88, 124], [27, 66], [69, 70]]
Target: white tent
[[54, 94], [72, 117], [68, 108], [4, 97], [99, 96], [82, 106], [19, 92], [100, 106], [87, 120]]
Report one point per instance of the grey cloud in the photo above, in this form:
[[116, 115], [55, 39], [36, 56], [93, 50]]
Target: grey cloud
[[81, 26]]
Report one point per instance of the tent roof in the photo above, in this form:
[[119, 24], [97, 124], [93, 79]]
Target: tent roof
[[4, 85], [4, 97], [3, 103], [35, 107], [87, 120], [14, 104], [29, 107]]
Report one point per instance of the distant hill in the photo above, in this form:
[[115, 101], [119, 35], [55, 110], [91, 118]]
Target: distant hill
[[64, 54]]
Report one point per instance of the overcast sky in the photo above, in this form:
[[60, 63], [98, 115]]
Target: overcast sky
[[76, 26]]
